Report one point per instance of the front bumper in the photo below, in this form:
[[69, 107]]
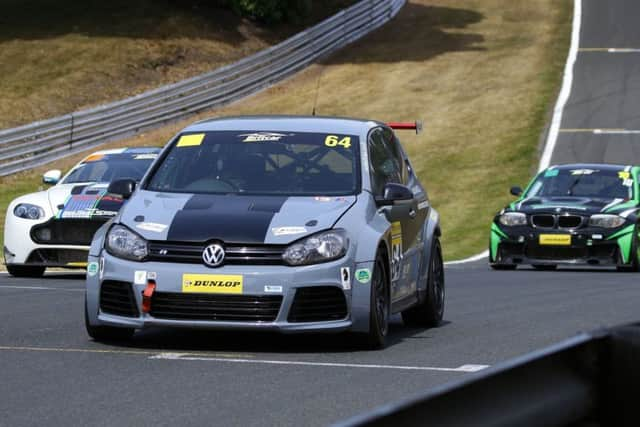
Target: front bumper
[[217, 311], [587, 247], [48, 242]]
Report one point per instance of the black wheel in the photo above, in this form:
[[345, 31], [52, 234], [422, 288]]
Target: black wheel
[[380, 307], [106, 333], [25, 270], [430, 312], [544, 267], [503, 266], [635, 264]]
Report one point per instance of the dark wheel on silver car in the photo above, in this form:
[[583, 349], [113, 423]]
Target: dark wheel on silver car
[[544, 267], [106, 333], [25, 270], [380, 307], [429, 313]]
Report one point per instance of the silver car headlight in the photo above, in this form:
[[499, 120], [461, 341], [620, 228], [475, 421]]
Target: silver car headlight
[[321, 247], [28, 211], [606, 221], [513, 218], [124, 243]]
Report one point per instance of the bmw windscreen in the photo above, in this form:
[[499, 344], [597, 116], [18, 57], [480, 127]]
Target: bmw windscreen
[[261, 163], [591, 183]]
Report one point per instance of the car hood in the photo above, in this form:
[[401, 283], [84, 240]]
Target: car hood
[[89, 201], [583, 205], [231, 218]]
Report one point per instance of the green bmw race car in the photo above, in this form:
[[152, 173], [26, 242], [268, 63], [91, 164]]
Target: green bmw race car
[[575, 214]]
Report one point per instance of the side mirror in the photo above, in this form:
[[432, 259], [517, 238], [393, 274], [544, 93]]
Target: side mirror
[[395, 194], [516, 191], [122, 187], [52, 177]]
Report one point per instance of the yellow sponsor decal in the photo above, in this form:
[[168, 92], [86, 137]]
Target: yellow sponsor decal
[[77, 264], [555, 239], [212, 283], [190, 140], [396, 249], [624, 175]]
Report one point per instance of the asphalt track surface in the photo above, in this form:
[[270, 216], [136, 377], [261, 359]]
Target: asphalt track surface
[[52, 374], [601, 121]]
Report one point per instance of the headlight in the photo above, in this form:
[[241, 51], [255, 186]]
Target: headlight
[[606, 221], [28, 211], [124, 243], [320, 247], [513, 218]]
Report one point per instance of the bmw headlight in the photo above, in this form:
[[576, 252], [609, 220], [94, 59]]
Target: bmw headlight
[[513, 218], [606, 221], [124, 243], [321, 247], [28, 211]]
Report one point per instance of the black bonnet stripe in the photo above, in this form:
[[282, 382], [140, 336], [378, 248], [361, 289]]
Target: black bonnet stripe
[[232, 219]]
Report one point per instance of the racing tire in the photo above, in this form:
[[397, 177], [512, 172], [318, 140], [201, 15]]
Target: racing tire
[[635, 264], [25, 270], [106, 333], [429, 313], [503, 266], [380, 310], [544, 267]]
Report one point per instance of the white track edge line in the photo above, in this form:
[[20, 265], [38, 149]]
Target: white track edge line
[[565, 92], [179, 356], [554, 129]]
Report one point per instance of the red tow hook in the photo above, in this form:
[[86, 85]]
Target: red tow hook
[[147, 294]]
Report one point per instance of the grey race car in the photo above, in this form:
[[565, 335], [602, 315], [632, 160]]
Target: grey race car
[[294, 224]]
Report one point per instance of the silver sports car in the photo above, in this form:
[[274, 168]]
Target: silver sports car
[[294, 224]]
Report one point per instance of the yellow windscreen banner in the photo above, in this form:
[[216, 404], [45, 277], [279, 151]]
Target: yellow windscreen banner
[[190, 140], [212, 283]]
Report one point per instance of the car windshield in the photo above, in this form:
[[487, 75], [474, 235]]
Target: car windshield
[[592, 183], [107, 167], [277, 163]]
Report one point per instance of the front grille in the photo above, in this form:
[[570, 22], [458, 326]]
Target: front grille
[[543, 221], [317, 304], [235, 254], [57, 257], [569, 221], [234, 308], [117, 298], [564, 253], [66, 231]]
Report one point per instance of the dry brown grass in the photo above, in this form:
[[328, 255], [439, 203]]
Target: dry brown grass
[[481, 73], [59, 56]]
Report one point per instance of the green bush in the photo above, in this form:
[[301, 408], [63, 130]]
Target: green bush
[[271, 11]]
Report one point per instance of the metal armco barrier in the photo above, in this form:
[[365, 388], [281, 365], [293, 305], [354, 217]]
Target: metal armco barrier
[[590, 380], [40, 142]]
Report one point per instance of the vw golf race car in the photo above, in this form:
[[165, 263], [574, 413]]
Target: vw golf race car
[[292, 224], [571, 214], [54, 228]]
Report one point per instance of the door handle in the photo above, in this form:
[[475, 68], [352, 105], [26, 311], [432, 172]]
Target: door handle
[[412, 213]]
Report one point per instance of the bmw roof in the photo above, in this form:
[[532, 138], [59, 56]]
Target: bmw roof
[[601, 166]]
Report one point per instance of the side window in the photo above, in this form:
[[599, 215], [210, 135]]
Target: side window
[[393, 142], [385, 164]]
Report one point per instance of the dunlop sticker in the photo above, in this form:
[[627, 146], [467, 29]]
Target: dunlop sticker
[[212, 283]]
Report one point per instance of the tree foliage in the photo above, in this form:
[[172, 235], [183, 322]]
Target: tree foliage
[[270, 11]]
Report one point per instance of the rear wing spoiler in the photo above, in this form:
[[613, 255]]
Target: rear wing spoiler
[[417, 125]]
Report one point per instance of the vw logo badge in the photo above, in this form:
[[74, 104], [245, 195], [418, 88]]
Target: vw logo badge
[[213, 255]]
